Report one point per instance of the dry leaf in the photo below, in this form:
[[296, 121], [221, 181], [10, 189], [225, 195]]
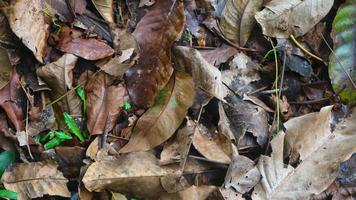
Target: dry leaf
[[214, 146], [281, 18], [56, 76], [5, 69], [193, 193], [237, 19], [36, 179], [159, 122], [104, 103], [205, 76], [119, 64], [242, 174], [219, 55], [13, 101], [146, 3], [71, 41], [155, 34], [136, 173], [105, 8], [309, 141]]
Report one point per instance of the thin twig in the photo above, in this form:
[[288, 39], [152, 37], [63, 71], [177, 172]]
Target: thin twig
[[276, 87], [305, 50], [338, 60], [26, 132], [309, 102]]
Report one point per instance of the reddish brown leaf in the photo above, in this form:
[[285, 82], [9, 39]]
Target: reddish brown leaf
[[12, 100], [155, 34], [103, 103], [90, 49]]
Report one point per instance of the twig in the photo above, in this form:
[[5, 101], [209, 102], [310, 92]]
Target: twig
[[276, 86], [309, 102], [106, 131], [26, 132], [338, 60], [303, 49]]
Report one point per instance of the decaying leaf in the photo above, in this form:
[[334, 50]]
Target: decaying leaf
[[237, 19], [136, 173], [219, 55], [119, 64], [193, 192], [36, 179], [13, 101], [71, 41], [155, 34], [242, 174], [105, 8], [58, 8], [104, 103], [160, 121], [56, 76], [214, 146], [28, 22], [5, 69], [205, 75], [146, 3], [281, 18], [308, 140]]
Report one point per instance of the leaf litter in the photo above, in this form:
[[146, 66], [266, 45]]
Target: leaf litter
[[172, 99]]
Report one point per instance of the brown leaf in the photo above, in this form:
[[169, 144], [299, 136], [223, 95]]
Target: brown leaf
[[56, 76], [59, 8], [155, 34], [119, 64], [89, 49], [70, 159], [13, 101], [36, 179], [219, 55], [193, 192], [158, 123], [29, 24], [105, 8], [5, 69], [104, 102]]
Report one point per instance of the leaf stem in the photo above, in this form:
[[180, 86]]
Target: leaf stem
[[305, 50]]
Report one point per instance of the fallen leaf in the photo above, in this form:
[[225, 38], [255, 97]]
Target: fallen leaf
[[146, 3], [308, 140], [70, 160], [205, 76], [219, 55], [155, 34], [282, 18], [105, 8], [119, 64], [193, 192], [5, 69], [6, 159], [159, 122], [347, 171], [47, 121], [104, 103], [13, 101], [214, 146], [342, 66], [237, 19], [242, 174], [118, 196], [70, 41], [56, 76], [58, 8], [136, 173], [28, 22], [36, 179]]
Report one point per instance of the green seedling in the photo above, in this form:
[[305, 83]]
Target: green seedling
[[81, 93], [73, 126], [127, 105], [8, 194], [59, 137]]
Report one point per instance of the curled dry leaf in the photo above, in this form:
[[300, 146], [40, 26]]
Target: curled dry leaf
[[155, 34], [237, 19], [159, 122], [137, 173], [242, 174], [104, 103], [214, 146], [205, 75], [28, 22], [310, 141], [36, 179], [105, 8], [13, 101], [57, 76], [71, 41], [281, 18]]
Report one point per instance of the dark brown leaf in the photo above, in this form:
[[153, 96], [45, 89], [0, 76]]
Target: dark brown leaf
[[155, 34], [161, 121], [89, 49], [104, 102], [13, 101]]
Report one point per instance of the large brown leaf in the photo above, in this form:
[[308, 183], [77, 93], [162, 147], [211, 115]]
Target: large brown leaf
[[57, 76], [104, 102], [155, 34], [29, 24], [161, 121], [36, 179], [13, 101]]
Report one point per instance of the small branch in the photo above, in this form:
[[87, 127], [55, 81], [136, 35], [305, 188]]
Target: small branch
[[303, 49]]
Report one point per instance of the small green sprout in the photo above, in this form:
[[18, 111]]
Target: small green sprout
[[127, 105], [73, 126]]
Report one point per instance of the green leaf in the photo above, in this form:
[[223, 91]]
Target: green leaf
[[8, 194], [127, 105], [73, 126], [81, 93], [56, 138], [342, 66], [6, 159]]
